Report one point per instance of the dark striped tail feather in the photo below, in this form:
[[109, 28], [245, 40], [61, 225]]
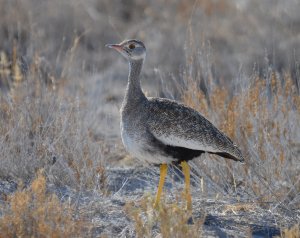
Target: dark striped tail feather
[[228, 156]]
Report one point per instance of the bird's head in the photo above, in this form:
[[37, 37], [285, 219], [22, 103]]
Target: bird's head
[[130, 49]]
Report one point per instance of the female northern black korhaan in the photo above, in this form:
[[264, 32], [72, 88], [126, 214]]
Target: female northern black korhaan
[[163, 131]]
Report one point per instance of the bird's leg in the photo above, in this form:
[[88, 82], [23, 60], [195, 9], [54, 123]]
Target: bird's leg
[[163, 173], [186, 172]]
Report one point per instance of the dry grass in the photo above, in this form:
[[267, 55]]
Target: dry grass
[[293, 232], [41, 128], [262, 116], [263, 126], [168, 220], [31, 212]]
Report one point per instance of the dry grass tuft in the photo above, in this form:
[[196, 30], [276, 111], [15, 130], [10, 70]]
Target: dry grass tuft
[[235, 208], [43, 127], [31, 212], [169, 220], [261, 114], [293, 232]]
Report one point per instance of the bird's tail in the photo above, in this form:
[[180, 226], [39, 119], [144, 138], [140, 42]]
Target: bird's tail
[[234, 154]]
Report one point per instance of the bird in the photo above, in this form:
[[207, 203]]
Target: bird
[[161, 131]]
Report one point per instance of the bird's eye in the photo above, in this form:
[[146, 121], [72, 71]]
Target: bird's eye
[[131, 46]]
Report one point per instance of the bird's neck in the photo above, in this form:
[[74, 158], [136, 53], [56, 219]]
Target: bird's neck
[[134, 93]]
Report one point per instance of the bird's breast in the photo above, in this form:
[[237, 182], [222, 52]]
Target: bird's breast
[[130, 137], [137, 143]]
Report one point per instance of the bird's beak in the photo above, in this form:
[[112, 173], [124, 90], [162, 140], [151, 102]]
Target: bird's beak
[[114, 46]]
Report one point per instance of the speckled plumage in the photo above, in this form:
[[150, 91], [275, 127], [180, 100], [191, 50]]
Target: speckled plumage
[[158, 130]]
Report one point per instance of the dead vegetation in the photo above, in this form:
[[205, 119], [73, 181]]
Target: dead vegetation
[[32, 212], [293, 232], [262, 117], [171, 220]]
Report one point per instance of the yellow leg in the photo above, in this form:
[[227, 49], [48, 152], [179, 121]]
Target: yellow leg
[[186, 172], [163, 173]]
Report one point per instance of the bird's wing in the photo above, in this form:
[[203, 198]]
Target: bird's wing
[[177, 125]]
